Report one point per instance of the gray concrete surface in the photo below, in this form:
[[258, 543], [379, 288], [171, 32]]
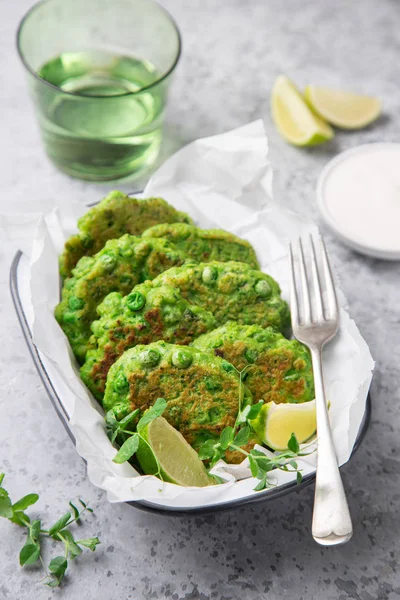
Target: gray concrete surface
[[233, 50]]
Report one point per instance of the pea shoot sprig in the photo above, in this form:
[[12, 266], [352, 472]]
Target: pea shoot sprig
[[31, 552], [234, 438], [129, 441]]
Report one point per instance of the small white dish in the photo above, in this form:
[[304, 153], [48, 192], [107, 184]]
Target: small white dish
[[358, 196]]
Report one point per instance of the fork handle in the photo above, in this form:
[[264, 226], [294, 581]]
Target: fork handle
[[331, 523]]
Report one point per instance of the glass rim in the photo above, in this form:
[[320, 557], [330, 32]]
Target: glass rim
[[77, 94]]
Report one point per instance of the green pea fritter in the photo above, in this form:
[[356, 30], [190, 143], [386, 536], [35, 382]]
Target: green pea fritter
[[114, 216], [205, 245], [278, 369], [232, 291], [146, 315], [119, 266], [202, 391]]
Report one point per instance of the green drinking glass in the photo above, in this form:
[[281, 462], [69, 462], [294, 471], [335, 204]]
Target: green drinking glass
[[99, 73]]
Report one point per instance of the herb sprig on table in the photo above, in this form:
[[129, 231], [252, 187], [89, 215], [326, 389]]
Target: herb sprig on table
[[31, 552], [116, 431]]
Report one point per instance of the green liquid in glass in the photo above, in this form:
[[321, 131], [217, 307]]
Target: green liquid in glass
[[92, 124]]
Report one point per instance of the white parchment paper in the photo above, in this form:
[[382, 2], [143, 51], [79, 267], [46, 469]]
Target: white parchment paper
[[222, 181]]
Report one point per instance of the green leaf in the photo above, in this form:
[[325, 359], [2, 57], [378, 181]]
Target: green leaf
[[217, 454], [153, 413], [299, 477], [29, 554], [207, 449], [126, 420], [127, 449], [242, 437], [75, 511], [90, 543], [25, 502], [2, 475], [34, 530], [57, 567], [262, 485], [255, 410], [293, 444], [293, 464], [226, 437], [3, 493], [53, 583], [83, 503], [6, 509], [20, 518], [242, 416], [71, 546], [253, 466], [60, 524]]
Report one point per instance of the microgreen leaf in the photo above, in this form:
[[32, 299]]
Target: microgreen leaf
[[293, 444], [34, 530], [90, 543], [127, 449], [72, 547], [126, 420], [57, 568], [20, 518], [29, 554], [243, 415], [299, 477], [6, 509], [242, 436], [75, 511], [83, 503], [152, 413], [226, 437], [262, 485], [2, 475], [207, 449], [25, 502], [60, 524], [254, 410]]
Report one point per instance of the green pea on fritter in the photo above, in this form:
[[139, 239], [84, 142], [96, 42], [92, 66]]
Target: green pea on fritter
[[114, 216], [278, 369], [232, 291], [205, 245], [202, 391], [119, 266], [146, 315]]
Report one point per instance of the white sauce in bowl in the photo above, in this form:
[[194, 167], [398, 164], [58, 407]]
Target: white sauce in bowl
[[359, 198]]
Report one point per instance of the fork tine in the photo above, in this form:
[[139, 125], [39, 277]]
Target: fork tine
[[305, 288], [330, 288], [319, 309], [294, 305]]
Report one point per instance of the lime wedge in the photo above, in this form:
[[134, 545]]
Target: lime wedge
[[293, 118], [178, 461], [345, 110], [276, 423]]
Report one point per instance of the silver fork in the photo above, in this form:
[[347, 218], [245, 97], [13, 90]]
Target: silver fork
[[314, 324]]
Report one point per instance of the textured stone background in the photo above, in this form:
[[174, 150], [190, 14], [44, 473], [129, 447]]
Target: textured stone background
[[233, 50]]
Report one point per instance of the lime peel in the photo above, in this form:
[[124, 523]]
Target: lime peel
[[276, 423], [294, 119]]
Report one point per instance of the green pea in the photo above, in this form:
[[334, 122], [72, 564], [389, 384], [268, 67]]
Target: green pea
[[121, 383], [149, 358], [212, 385], [251, 355], [209, 274], [182, 358], [227, 366], [70, 317], [135, 301], [75, 303], [109, 262], [263, 288]]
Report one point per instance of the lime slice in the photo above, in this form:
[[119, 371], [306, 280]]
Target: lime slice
[[178, 461], [294, 119], [345, 110], [276, 423]]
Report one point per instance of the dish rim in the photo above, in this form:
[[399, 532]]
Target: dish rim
[[145, 505], [368, 250]]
